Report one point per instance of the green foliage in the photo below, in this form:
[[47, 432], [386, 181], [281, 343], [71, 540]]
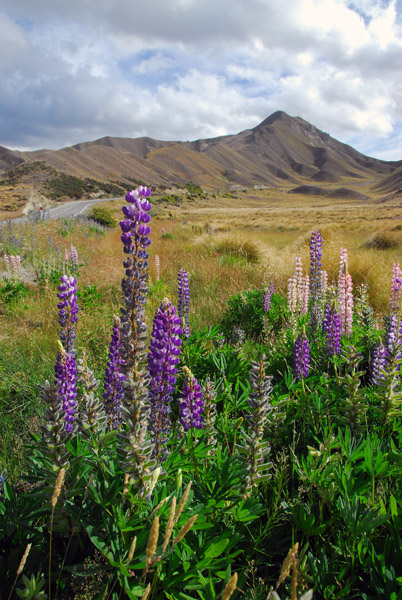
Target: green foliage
[[12, 290], [194, 191], [103, 216], [246, 311]]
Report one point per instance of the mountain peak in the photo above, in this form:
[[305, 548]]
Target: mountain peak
[[279, 115]]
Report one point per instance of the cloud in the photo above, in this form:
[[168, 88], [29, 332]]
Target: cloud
[[184, 69]]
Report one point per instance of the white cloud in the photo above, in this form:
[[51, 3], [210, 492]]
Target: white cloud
[[181, 69]]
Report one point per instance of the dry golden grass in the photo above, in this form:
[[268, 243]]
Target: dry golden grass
[[208, 238]]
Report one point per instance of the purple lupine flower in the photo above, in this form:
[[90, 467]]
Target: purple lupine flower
[[184, 300], [315, 277], [135, 231], [68, 311], [163, 356], [334, 334], [378, 362], [134, 448], [191, 402], [66, 379], [301, 357], [393, 333], [327, 318], [113, 380], [315, 265], [267, 298]]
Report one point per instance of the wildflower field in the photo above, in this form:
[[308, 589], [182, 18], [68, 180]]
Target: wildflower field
[[189, 411]]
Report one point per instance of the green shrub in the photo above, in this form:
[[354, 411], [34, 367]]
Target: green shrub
[[12, 290], [103, 216]]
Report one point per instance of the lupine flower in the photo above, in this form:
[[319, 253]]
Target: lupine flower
[[298, 275], [315, 265], [253, 447], [68, 311], [74, 258], [315, 278], [7, 262], [184, 300], [393, 333], [324, 281], [164, 352], [333, 331], [136, 241], [298, 290], [396, 289], [327, 318], [134, 449], [301, 357], [191, 402], [113, 380], [92, 419], [378, 363], [157, 267], [345, 294], [292, 295], [267, 298], [210, 415], [304, 296], [66, 257], [66, 378]]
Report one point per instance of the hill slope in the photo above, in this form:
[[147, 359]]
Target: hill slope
[[280, 151]]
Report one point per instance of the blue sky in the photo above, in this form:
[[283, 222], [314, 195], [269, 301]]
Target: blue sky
[[188, 69]]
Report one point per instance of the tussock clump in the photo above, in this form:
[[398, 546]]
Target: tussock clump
[[245, 249], [381, 241]]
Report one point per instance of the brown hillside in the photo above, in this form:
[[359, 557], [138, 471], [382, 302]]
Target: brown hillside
[[280, 151]]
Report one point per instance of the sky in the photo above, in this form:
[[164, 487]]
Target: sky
[[77, 70]]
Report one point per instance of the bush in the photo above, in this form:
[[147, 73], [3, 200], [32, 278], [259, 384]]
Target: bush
[[103, 216]]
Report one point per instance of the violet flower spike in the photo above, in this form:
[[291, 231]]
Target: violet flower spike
[[301, 357], [267, 298], [334, 334], [68, 311], [66, 380], [191, 402], [378, 364], [184, 300], [164, 352]]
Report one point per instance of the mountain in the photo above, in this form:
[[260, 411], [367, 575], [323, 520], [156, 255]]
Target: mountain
[[280, 151]]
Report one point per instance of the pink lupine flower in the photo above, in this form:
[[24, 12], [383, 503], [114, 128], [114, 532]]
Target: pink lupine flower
[[157, 267], [298, 289], [345, 294], [396, 289], [7, 263], [292, 294], [324, 281], [304, 296]]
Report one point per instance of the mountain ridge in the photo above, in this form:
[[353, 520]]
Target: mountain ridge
[[281, 151]]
